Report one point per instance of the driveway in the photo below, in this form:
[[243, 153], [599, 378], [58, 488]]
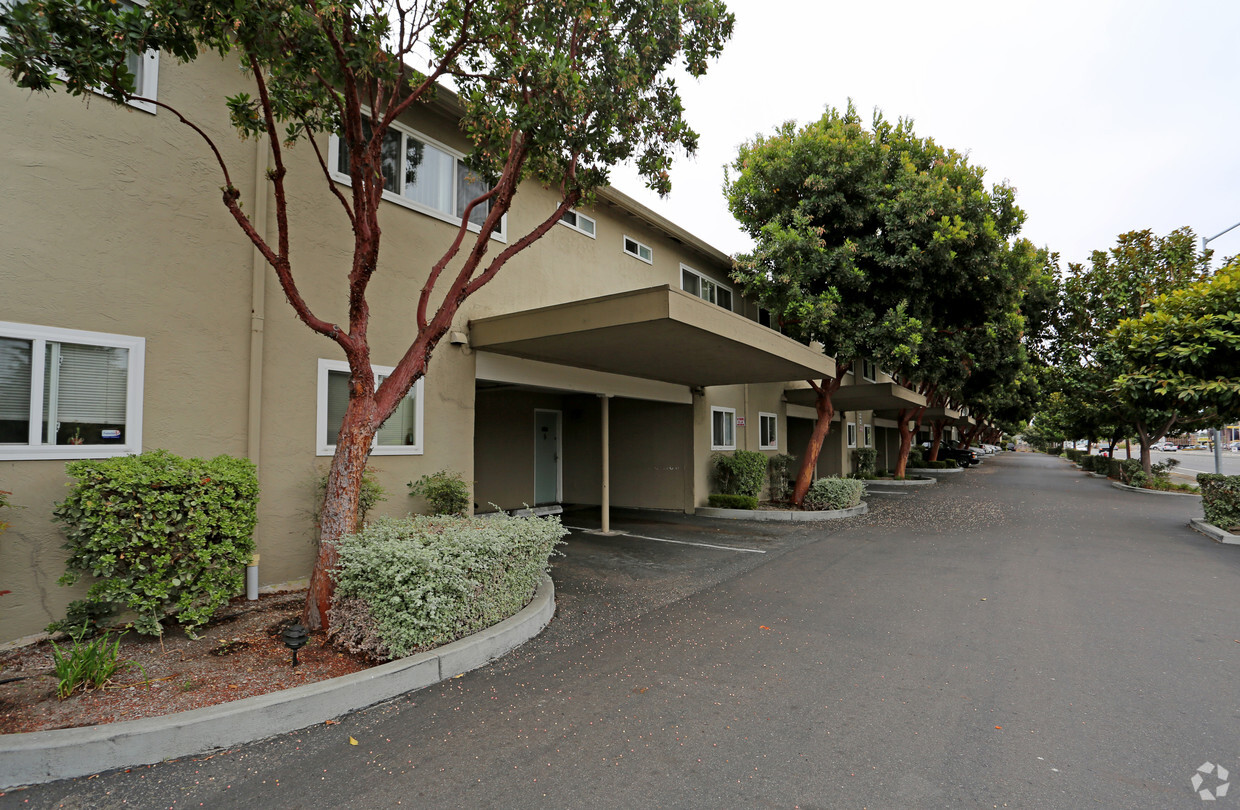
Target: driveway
[[1019, 635]]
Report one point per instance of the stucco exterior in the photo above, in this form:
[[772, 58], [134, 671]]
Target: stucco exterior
[[113, 223]]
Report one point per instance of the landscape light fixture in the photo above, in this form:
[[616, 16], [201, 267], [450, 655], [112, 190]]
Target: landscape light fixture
[[295, 637]]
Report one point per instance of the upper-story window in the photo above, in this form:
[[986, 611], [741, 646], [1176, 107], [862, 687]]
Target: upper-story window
[[707, 289], [144, 67], [869, 371], [578, 222], [722, 428], [424, 175], [66, 393], [638, 250]]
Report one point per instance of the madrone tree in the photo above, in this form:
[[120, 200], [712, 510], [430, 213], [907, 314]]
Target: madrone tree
[[556, 92]]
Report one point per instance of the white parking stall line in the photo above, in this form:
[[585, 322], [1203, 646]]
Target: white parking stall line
[[679, 542]]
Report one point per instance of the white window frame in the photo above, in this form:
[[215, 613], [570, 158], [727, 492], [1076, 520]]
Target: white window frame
[[576, 224], [731, 412], [774, 431], [869, 370], [867, 435], [398, 195], [637, 254], [703, 281], [852, 434], [36, 448], [324, 448]]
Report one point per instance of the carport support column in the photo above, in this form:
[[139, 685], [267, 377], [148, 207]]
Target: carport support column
[[606, 508]]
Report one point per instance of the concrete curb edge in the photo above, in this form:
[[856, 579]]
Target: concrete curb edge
[[1214, 532], [934, 470], [781, 515], [1126, 488], [46, 756]]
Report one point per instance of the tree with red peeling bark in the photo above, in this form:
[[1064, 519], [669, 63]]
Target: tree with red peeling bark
[[554, 92]]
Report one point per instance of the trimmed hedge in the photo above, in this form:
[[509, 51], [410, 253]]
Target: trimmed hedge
[[412, 584], [163, 535], [741, 473], [1220, 498], [733, 501], [866, 458], [834, 493]]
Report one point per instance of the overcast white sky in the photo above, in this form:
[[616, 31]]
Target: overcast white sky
[[1106, 116]]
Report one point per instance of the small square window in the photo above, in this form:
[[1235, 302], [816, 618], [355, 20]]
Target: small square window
[[401, 434], [638, 250], [722, 429], [578, 222], [768, 431]]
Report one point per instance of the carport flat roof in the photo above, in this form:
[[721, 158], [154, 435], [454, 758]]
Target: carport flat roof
[[657, 333], [935, 414], [884, 396]]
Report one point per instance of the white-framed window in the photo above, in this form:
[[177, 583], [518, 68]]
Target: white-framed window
[[868, 435], [144, 67], [852, 434], [638, 250], [722, 428], [767, 318], [579, 222], [768, 431], [400, 435], [869, 371], [422, 174], [691, 281], [66, 393]]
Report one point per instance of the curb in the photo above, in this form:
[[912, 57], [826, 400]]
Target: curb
[[781, 515], [1143, 491], [1215, 533], [891, 482], [46, 756], [934, 470]]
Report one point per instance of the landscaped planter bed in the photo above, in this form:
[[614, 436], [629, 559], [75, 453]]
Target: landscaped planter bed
[[1215, 533], [782, 514]]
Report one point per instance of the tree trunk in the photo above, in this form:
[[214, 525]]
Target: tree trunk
[[338, 516], [809, 459], [908, 428], [937, 426]]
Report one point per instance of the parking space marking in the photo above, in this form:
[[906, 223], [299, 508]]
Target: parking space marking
[[679, 542]]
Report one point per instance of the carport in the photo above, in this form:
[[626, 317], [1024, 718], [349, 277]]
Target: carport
[[677, 341]]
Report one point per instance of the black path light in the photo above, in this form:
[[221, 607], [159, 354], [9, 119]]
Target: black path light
[[295, 637]]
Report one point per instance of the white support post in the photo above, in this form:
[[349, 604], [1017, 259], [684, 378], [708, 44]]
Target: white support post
[[606, 508]]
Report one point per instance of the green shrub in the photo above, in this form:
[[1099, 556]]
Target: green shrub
[[1127, 472], [741, 473], [865, 457], [937, 465], [916, 457], [162, 535], [951, 464], [446, 493], [371, 493], [411, 584], [89, 665], [779, 472], [1220, 497], [834, 493], [733, 501], [1114, 467]]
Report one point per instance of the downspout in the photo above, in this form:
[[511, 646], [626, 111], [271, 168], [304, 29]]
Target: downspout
[[258, 309]]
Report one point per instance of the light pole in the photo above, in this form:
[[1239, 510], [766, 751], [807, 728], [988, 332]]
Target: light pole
[[1218, 434]]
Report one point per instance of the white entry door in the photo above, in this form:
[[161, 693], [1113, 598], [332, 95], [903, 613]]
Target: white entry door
[[547, 476]]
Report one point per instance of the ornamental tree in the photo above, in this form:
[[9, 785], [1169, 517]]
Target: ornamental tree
[[873, 242], [555, 92], [1184, 352], [1121, 284]]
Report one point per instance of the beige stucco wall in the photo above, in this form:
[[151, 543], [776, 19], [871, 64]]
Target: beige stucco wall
[[112, 222]]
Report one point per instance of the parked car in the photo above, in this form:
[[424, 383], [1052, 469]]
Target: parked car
[[964, 457]]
